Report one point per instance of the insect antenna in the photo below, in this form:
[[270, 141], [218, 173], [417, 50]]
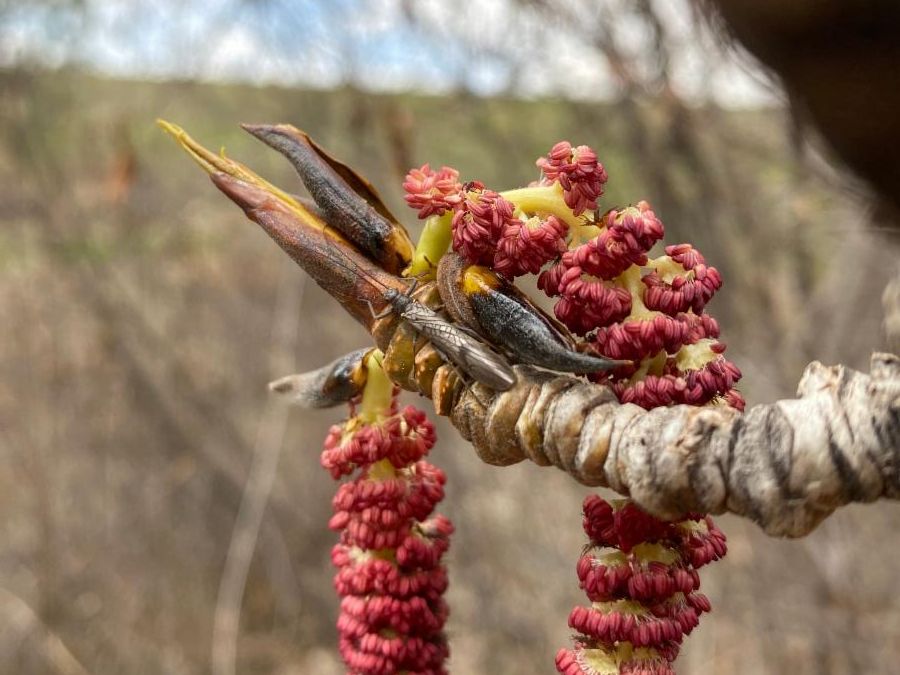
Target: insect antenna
[[343, 260], [348, 263], [353, 267]]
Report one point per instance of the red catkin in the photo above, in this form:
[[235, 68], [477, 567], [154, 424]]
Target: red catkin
[[389, 573], [639, 573]]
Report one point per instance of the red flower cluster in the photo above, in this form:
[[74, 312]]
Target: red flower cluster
[[693, 387], [389, 575], [587, 302], [584, 277], [526, 246], [643, 588], [485, 229], [624, 306], [578, 172], [688, 291], [479, 222], [432, 192]]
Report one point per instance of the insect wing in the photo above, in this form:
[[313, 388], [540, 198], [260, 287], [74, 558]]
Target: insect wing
[[486, 366], [471, 356]]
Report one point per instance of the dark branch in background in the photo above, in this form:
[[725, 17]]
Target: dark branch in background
[[840, 64]]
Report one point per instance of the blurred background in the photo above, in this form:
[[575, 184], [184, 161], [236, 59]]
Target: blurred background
[[142, 317]]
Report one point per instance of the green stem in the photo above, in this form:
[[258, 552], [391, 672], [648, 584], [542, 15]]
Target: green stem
[[546, 199], [433, 243], [377, 392], [696, 356]]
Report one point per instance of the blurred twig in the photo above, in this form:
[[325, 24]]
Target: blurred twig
[[266, 453], [21, 624]]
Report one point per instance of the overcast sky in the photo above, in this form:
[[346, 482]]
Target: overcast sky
[[325, 43]]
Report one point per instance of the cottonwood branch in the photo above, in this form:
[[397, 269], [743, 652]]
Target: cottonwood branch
[[785, 465]]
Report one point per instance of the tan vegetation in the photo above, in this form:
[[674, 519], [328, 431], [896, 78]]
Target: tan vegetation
[[144, 317]]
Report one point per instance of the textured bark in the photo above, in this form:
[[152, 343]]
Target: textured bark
[[785, 465]]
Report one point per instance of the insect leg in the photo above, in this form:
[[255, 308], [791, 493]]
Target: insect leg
[[467, 379], [378, 315]]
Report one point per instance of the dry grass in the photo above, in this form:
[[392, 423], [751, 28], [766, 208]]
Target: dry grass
[[138, 311]]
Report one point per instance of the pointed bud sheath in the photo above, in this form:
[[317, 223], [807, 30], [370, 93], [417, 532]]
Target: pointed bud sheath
[[346, 201], [333, 384], [476, 297], [323, 253], [329, 259]]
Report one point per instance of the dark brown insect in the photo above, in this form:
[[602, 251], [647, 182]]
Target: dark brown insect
[[466, 352]]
